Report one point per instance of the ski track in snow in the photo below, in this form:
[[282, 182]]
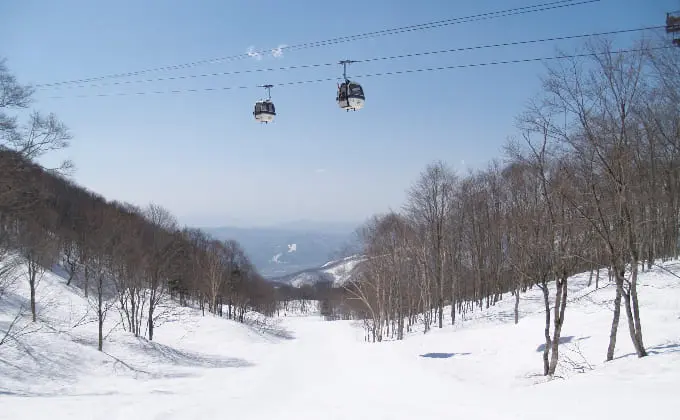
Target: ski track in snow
[[483, 367]]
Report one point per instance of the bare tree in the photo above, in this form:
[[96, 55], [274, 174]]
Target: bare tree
[[38, 250], [102, 238], [429, 206], [12, 95], [40, 135], [528, 255], [603, 100], [162, 248]]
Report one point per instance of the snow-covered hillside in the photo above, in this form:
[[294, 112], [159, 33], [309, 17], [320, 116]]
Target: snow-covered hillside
[[341, 270], [302, 367], [336, 272], [58, 354]]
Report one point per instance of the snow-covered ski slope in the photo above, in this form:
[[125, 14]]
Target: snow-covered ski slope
[[302, 367]]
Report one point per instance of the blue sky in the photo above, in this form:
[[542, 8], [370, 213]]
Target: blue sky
[[204, 157]]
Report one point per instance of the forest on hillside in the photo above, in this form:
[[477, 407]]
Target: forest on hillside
[[591, 179], [122, 256]]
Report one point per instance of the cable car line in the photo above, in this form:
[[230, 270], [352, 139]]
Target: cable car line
[[393, 57], [381, 74], [438, 24], [332, 41]]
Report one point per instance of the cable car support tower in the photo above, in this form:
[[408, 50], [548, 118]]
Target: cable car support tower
[[673, 26]]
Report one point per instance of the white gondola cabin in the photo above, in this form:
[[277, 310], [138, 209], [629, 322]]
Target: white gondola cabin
[[265, 111], [350, 94]]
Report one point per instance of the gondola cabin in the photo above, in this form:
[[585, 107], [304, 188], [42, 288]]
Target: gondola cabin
[[350, 96], [264, 111]]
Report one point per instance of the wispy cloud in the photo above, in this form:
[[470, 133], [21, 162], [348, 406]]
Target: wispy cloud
[[320, 171], [278, 51], [258, 55], [252, 53]]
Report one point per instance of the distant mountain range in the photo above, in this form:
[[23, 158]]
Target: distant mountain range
[[288, 248]]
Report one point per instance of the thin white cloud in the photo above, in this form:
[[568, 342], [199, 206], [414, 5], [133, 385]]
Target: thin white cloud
[[275, 52], [278, 51], [252, 53], [320, 171]]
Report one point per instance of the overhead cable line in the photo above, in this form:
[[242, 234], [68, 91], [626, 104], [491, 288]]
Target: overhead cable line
[[447, 22], [381, 74], [333, 41], [367, 60]]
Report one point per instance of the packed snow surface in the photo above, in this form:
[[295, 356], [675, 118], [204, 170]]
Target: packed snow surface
[[301, 367]]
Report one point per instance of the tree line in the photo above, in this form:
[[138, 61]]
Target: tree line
[[123, 256], [590, 181]]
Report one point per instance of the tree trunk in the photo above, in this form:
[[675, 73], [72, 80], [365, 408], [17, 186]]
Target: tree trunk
[[87, 280], [615, 319], [546, 332], [517, 304], [642, 352], [100, 316], [635, 318], [150, 320], [71, 271], [560, 306], [32, 275], [231, 304], [441, 287], [633, 315]]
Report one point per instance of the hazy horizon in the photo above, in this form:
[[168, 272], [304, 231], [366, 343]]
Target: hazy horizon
[[282, 224]]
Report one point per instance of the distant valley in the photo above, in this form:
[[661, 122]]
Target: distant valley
[[281, 250]]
